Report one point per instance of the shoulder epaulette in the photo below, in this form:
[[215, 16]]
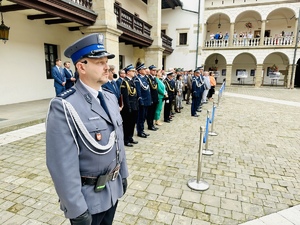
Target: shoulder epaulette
[[107, 90], [67, 93]]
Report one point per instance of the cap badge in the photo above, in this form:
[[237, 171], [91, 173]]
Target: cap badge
[[100, 38]]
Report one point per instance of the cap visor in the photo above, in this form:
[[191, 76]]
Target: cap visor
[[101, 55]]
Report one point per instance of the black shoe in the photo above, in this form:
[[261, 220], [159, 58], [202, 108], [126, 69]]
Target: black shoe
[[146, 134], [195, 115], [167, 121], [199, 110], [142, 135], [134, 142], [152, 128], [188, 103], [129, 145]]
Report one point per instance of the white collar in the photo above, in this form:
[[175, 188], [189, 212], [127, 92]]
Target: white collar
[[93, 92]]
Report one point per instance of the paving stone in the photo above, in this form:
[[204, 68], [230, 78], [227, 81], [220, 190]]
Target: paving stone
[[165, 217], [252, 173], [231, 205]]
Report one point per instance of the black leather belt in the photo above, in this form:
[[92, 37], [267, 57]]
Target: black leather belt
[[108, 177]]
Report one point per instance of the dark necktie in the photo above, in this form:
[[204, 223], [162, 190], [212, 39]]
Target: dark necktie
[[102, 102]]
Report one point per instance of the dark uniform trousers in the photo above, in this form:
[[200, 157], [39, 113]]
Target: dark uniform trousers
[[129, 121], [105, 218], [167, 108], [195, 104], [150, 114], [142, 115]]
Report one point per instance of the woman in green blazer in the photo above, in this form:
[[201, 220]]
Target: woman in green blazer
[[161, 89]]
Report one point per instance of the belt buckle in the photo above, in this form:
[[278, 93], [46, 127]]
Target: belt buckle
[[115, 173]]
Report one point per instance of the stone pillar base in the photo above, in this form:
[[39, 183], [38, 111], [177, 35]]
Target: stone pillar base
[[153, 56]]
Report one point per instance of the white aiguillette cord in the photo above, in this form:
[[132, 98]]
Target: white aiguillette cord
[[79, 126]]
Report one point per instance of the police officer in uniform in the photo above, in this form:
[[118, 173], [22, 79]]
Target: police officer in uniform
[[170, 88], [144, 99], [154, 97], [130, 109], [197, 90], [84, 139]]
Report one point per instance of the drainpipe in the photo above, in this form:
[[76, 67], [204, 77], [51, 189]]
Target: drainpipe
[[198, 34], [292, 82]]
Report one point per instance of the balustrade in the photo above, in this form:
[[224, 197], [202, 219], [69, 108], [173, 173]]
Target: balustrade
[[88, 4], [251, 42]]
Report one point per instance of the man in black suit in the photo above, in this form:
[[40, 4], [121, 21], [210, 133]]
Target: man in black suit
[[70, 79]]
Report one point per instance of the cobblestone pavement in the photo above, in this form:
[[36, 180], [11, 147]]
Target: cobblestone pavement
[[254, 170]]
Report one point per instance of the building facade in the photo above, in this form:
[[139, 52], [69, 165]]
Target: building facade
[[159, 32], [260, 44]]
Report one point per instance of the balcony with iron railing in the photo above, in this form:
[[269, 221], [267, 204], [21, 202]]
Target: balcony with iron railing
[[167, 43]]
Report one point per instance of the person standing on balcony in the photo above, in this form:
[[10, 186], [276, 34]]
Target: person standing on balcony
[[226, 37], [235, 36], [85, 152]]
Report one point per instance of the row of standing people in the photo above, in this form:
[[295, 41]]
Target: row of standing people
[[88, 124]]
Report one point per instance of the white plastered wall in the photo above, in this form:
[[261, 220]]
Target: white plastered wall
[[23, 70], [182, 56]]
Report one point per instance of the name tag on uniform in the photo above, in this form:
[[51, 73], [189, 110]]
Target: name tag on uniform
[[94, 118]]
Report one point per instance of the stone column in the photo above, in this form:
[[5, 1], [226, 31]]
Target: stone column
[[228, 74], [154, 53], [289, 77], [205, 37], [106, 24], [231, 34], [258, 75], [262, 32]]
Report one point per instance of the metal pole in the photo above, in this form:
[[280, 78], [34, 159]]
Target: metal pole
[[199, 185], [206, 151], [199, 172], [292, 82], [212, 133], [198, 34]]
